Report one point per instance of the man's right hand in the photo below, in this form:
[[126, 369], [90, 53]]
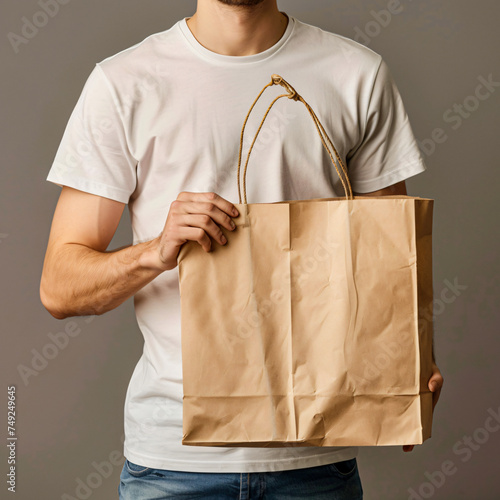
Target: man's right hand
[[80, 277], [196, 217]]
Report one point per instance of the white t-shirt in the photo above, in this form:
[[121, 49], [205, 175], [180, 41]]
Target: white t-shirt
[[165, 116]]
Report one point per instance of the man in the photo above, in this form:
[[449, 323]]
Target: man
[[157, 127]]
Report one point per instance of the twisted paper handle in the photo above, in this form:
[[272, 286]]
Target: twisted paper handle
[[326, 141]]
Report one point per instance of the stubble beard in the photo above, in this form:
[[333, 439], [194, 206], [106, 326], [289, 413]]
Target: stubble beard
[[241, 3]]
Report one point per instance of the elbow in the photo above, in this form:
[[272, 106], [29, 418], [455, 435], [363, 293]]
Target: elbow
[[56, 314], [49, 301], [57, 304]]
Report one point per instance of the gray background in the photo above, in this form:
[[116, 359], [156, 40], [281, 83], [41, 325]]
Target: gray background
[[70, 415]]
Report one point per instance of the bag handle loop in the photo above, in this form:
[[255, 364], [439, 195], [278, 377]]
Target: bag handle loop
[[326, 141]]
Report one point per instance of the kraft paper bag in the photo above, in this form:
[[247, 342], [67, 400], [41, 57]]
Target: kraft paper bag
[[311, 326]]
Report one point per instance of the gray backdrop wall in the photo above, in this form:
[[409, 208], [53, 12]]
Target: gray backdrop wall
[[70, 396]]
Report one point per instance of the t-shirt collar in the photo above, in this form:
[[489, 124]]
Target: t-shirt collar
[[215, 57]]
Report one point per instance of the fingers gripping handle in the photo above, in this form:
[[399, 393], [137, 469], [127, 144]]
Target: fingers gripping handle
[[325, 139]]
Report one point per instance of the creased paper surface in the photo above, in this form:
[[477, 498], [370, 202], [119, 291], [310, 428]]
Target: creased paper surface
[[310, 326]]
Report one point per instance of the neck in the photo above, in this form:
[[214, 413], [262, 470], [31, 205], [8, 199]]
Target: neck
[[237, 31]]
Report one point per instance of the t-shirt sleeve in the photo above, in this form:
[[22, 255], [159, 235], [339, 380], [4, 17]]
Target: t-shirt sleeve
[[93, 155], [387, 152]]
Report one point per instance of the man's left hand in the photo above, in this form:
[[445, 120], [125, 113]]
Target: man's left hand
[[435, 386]]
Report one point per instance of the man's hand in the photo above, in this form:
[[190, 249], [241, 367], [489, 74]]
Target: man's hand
[[81, 278], [195, 217], [435, 386]]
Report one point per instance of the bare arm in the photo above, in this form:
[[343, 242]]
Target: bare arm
[[398, 189], [81, 278]]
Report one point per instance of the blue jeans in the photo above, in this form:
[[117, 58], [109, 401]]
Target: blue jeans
[[338, 481]]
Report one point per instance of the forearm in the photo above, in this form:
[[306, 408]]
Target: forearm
[[80, 281]]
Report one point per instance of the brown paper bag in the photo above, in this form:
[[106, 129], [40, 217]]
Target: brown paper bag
[[310, 327]]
